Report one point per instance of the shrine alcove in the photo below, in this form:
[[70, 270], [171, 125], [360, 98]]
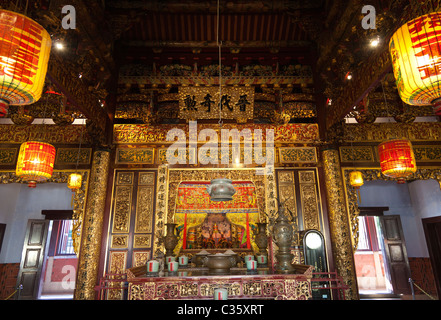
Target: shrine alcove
[[216, 226]]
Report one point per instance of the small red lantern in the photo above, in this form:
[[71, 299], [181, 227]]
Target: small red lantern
[[35, 162], [397, 159]]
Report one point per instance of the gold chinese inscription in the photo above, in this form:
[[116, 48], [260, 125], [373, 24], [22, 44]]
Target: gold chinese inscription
[[204, 103]]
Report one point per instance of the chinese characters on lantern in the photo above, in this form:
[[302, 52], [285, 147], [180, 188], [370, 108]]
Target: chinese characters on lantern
[[204, 103]]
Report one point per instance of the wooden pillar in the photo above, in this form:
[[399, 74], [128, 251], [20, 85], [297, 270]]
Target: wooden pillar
[[339, 222], [89, 255]]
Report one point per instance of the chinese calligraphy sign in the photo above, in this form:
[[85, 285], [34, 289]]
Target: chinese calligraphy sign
[[236, 103]]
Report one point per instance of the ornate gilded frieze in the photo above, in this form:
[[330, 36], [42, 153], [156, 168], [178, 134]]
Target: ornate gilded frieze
[[297, 155], [427, 153], [138, 133], [72, 156], [378, 132], [357, 154], [71, 134], [135, 155]]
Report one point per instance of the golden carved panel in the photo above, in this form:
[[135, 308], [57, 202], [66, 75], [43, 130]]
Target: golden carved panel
[[297, 155], [307, 176], [310, 212], [124, 178], [357, 154], [122, 209], [142, 241], [140, 258], [119, 241], [146, 178], [144, 209]]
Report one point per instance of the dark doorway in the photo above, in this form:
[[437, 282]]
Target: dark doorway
[[432, 231]]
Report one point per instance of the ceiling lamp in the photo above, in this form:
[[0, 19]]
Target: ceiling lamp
[[35, 162], [415, 50], [220, 189], [397, 159], [356, 179], [74, 181], [24, 54]]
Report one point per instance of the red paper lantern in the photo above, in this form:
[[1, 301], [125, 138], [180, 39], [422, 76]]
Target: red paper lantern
[[35, 162], [415, 50], [397, 159], [24, 54]]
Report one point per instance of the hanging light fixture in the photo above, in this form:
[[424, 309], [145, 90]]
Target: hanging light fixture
[[220, 189], [397, 159], [24, 54], [35, 162], [356, 179], [75, 180], [415, 50]]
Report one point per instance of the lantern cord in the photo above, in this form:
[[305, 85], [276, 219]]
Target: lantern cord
[[79, 147], [387, 110]]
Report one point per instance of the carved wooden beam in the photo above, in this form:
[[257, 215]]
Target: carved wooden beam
[[66, 79]]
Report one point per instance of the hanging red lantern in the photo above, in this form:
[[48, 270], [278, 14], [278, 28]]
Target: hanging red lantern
[[397, 159], [35, 162], [415, 50], [24, 54]]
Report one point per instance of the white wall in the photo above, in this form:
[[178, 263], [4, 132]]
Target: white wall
[[18, 204], [412, 201]]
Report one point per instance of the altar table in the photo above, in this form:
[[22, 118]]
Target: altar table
[[198, 283]]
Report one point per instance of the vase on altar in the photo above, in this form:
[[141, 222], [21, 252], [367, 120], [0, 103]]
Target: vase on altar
[[171, 239], [261, 238], [282, 233]]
